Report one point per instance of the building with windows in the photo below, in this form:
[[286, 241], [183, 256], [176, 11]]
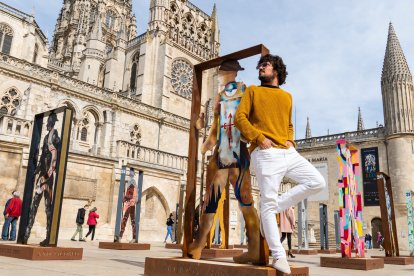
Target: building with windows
[[131, 97]]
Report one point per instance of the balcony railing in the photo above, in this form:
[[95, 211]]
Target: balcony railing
[[132, 151], [362, 135]]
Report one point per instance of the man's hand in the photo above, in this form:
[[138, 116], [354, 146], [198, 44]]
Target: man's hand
[[266, 144], [289, 144]]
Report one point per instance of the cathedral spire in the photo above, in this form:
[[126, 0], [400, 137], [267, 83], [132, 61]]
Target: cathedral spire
[[308, 134], [215, 28], [360, 121], [397, 88], [394, 60]]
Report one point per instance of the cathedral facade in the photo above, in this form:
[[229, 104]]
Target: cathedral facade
[[131, 97]]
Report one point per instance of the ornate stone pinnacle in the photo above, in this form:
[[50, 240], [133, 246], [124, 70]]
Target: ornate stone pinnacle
[[394, 60]]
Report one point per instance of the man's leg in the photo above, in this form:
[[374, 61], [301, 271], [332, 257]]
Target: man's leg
[[270, 167], [48, 211], [216, 181], [132, 215], [80, 229], [76, 232], [5, 232], [309, 179], [13, 229], [32, 215], [124, 222]]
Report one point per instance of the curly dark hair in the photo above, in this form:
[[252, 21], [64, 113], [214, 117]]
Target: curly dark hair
[[278, 66]]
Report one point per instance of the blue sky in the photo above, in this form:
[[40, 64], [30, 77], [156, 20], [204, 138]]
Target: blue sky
[[333, 49]]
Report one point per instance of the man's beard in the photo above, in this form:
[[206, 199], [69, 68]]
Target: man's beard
[[267, 78]]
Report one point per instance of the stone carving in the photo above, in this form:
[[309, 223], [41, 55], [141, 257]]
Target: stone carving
[[80, 188], [10, 101]]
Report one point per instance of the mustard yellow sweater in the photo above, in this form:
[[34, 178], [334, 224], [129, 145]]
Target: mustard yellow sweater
[[265, 112]]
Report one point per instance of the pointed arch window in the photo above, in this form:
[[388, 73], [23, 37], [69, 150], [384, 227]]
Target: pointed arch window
[[36, 51], [84, 134], [134, 72], [6, 38], [110, 19]]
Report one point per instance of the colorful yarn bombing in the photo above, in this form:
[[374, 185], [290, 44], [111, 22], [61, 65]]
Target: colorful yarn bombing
[[350, 200]]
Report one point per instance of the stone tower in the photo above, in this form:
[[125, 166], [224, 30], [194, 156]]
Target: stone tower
[[308, 133], [159, 63], [397, 95], [75, 23], [360, 126]]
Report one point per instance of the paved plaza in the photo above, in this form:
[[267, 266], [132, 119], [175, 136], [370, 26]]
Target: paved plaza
[[117, 262]]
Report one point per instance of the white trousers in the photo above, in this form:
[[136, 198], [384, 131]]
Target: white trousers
[[270, 166]]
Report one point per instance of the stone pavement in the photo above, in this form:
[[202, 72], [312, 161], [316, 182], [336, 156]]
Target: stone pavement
[[121, 263]]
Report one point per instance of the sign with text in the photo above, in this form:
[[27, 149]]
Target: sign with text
[[370, 167], [324, 194]]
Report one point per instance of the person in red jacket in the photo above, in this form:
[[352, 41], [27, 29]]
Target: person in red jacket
[[92, 222], [13, 212]]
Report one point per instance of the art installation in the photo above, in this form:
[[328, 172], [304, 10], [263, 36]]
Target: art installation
[[387, 215], [46, 172], [370, 167], [410, 217], [229, 163], [303, 241], [129, 205], [350, 199], [219, 218], [337, 229], [323, 214]]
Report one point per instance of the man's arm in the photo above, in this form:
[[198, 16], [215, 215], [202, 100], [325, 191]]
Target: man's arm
[[242, 122], [291, 141]]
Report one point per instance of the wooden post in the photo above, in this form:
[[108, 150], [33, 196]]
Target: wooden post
[[194, 134], [387, 215], [226, 214]]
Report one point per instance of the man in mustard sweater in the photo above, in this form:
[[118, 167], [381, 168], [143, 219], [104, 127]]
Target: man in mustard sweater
[[264, 118]]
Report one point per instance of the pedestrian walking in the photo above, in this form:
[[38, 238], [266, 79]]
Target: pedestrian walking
[[13, 212], [4, 215], [287, 225], [92, 221], [80, 219], [170, 223]]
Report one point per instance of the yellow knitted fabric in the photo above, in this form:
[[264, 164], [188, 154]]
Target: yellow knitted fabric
[[265, 112]]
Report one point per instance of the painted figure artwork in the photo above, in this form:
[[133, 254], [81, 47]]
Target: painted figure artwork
[[370, 163], [45, 174], [129, 201], [390, 209], [410, 217], [229, 136], [350, 200], [229, 163]]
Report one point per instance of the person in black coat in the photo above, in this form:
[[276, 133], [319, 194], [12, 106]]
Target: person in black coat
[[80, 219]]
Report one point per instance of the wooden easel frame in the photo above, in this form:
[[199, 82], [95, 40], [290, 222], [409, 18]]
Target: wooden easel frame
[[194, 134], [390, 238]]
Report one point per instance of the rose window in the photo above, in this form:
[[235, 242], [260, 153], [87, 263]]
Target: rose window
[[182, 78]]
